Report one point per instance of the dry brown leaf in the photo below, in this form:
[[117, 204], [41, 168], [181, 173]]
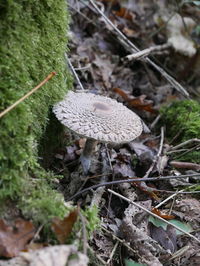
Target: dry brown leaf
[[59, 255], [14, 238], [162, 215], [35, 246], [63, 228], [124, 13], [138, 102]]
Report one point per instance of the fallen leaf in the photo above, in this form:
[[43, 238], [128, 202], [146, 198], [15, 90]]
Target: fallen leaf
[[162, 215], [166, 238], [13, 238], [184, 226], [146, 189], [129, 32], [35, 246], [59, 255], [137, 102], [123, 169], [124, 13], [145, 154], [188, 209], [63, 228], [104, 68]]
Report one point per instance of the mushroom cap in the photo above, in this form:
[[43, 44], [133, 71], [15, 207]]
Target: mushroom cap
[[98, 117]]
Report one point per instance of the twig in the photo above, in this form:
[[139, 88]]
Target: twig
[[146, 52], [155, 122], [83, 15], [176, 151], [132, 48], [185, 165], [27, 95], [74, 72], [36, 236], [98, 257], [172, 205], [179, 252], [189, 150], [84, 233], [122, 241], [169, 198], [82, 68], [179, 192], [113, 177], [116, 182], [185, 143], [157, 155], [153, 214], [113, 252]]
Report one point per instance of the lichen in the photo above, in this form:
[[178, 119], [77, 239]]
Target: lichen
[[32, 45]]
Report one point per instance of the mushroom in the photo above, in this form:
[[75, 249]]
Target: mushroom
[[99, 119]]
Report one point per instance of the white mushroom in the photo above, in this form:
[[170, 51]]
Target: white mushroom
[[97, 118]]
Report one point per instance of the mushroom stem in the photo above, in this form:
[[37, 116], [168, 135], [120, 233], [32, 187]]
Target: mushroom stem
[[87, 154]]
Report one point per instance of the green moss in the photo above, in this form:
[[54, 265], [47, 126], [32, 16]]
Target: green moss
[[93, 221], [32, 45], [192, 156], [182, 120], [41, 203]]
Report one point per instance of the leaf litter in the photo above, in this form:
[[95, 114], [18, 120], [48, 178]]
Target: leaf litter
[[14, 238], [98, 55], [99, 59]]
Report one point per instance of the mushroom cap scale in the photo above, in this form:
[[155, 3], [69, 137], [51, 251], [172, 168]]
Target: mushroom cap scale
[[98, 117]]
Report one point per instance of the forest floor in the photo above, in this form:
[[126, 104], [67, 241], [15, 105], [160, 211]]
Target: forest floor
[[98, 53], [139, 220]]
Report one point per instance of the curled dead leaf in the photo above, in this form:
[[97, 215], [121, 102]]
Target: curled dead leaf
[[137, 102], [63, 228]]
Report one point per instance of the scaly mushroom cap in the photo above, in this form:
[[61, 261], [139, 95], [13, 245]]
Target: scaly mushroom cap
[[98, 117]]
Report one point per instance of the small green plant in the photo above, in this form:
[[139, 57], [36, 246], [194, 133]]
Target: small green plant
[[93, 221]]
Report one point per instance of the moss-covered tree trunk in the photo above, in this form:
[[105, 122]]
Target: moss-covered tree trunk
[[32, 45]]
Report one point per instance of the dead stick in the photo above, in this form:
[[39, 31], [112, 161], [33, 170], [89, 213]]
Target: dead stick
[[116, 182], [130, 46], [153, 214], [185, 165], [27, 95], [148, 51]]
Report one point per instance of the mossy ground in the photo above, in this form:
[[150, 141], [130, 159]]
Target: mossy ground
[[32, 45], [182, 121]]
